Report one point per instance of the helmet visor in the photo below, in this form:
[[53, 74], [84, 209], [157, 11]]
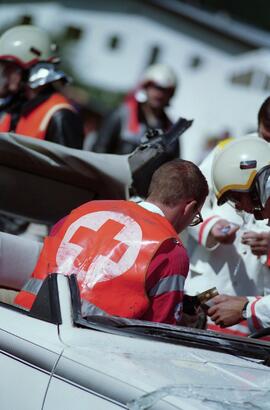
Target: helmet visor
[[252, 200], [45, 73], [262, 182]]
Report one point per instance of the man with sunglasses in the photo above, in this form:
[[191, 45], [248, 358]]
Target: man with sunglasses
[[125, 128], [241, 176], [127, 256]]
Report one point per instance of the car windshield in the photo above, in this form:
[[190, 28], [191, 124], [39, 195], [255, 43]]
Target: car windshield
[[212, 397], [236, 345], [239, 346]]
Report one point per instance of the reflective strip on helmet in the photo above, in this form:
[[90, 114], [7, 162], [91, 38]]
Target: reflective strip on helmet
[[88, 309], [44, 123], [173, 283], [237, 187]]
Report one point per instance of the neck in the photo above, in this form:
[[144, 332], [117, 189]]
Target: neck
[[169, 213]]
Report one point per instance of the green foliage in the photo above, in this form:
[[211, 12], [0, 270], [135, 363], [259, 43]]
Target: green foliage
[[253, 12]]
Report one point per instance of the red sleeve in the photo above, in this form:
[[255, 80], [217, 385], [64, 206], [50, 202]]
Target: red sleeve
[[165, 283]]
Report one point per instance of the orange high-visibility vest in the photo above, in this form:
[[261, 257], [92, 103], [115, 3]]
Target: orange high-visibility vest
[[132, 125], [108, 245], [5, 122], [35, 124]]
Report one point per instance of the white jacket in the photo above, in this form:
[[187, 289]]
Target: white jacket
[[258, 313], [232, 269]]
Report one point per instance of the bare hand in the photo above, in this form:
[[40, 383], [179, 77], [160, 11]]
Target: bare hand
[[227, 310], [223, 232], [258, 242]]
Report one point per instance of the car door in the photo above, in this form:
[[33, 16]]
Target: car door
[[29, 350]]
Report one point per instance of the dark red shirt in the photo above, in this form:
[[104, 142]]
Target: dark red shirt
[[165, 283]]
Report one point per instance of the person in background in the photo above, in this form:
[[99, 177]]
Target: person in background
[[31, 104], [11, 100], [264, 120], [125, 128], [229, 250], [241, 175], [31, 67], [128, 258], [11, 93]]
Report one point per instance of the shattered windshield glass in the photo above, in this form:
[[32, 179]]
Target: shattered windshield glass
[[213, 397]]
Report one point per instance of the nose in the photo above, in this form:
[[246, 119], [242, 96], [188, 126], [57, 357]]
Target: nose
[[14, 83]]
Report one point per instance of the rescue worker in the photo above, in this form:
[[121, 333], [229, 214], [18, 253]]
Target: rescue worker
[[46, 113], [11, 102], [125, 128], [229, 250], [240, 174], [29, 80], [128, 258], [223, 251]]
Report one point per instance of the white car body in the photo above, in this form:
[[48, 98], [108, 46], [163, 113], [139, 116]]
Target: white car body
[[74, 364]]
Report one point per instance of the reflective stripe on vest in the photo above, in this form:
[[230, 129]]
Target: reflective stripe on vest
[[169, 284], [27, 295], [88, 309], [35, 124], [109, 245]]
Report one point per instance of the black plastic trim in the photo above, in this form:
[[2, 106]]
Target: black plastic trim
[[46, 306]]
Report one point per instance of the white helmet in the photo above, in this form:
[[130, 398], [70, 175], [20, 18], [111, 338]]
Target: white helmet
[[160, 74], [242, 165], [27, 45]]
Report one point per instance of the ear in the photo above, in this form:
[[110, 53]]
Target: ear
[[190, 208]]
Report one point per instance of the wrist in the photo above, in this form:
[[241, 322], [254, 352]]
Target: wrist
[[244, 311]]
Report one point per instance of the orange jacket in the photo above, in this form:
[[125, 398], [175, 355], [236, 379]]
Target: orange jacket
[[108, 245], [36, 122]]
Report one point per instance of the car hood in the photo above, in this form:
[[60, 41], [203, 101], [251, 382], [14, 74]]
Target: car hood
[[180, 376]]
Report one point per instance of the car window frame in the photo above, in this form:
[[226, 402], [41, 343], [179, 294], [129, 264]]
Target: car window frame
[[197, 338]]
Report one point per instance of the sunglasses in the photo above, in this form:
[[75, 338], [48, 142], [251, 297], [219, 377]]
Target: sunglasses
[[196, 220]]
